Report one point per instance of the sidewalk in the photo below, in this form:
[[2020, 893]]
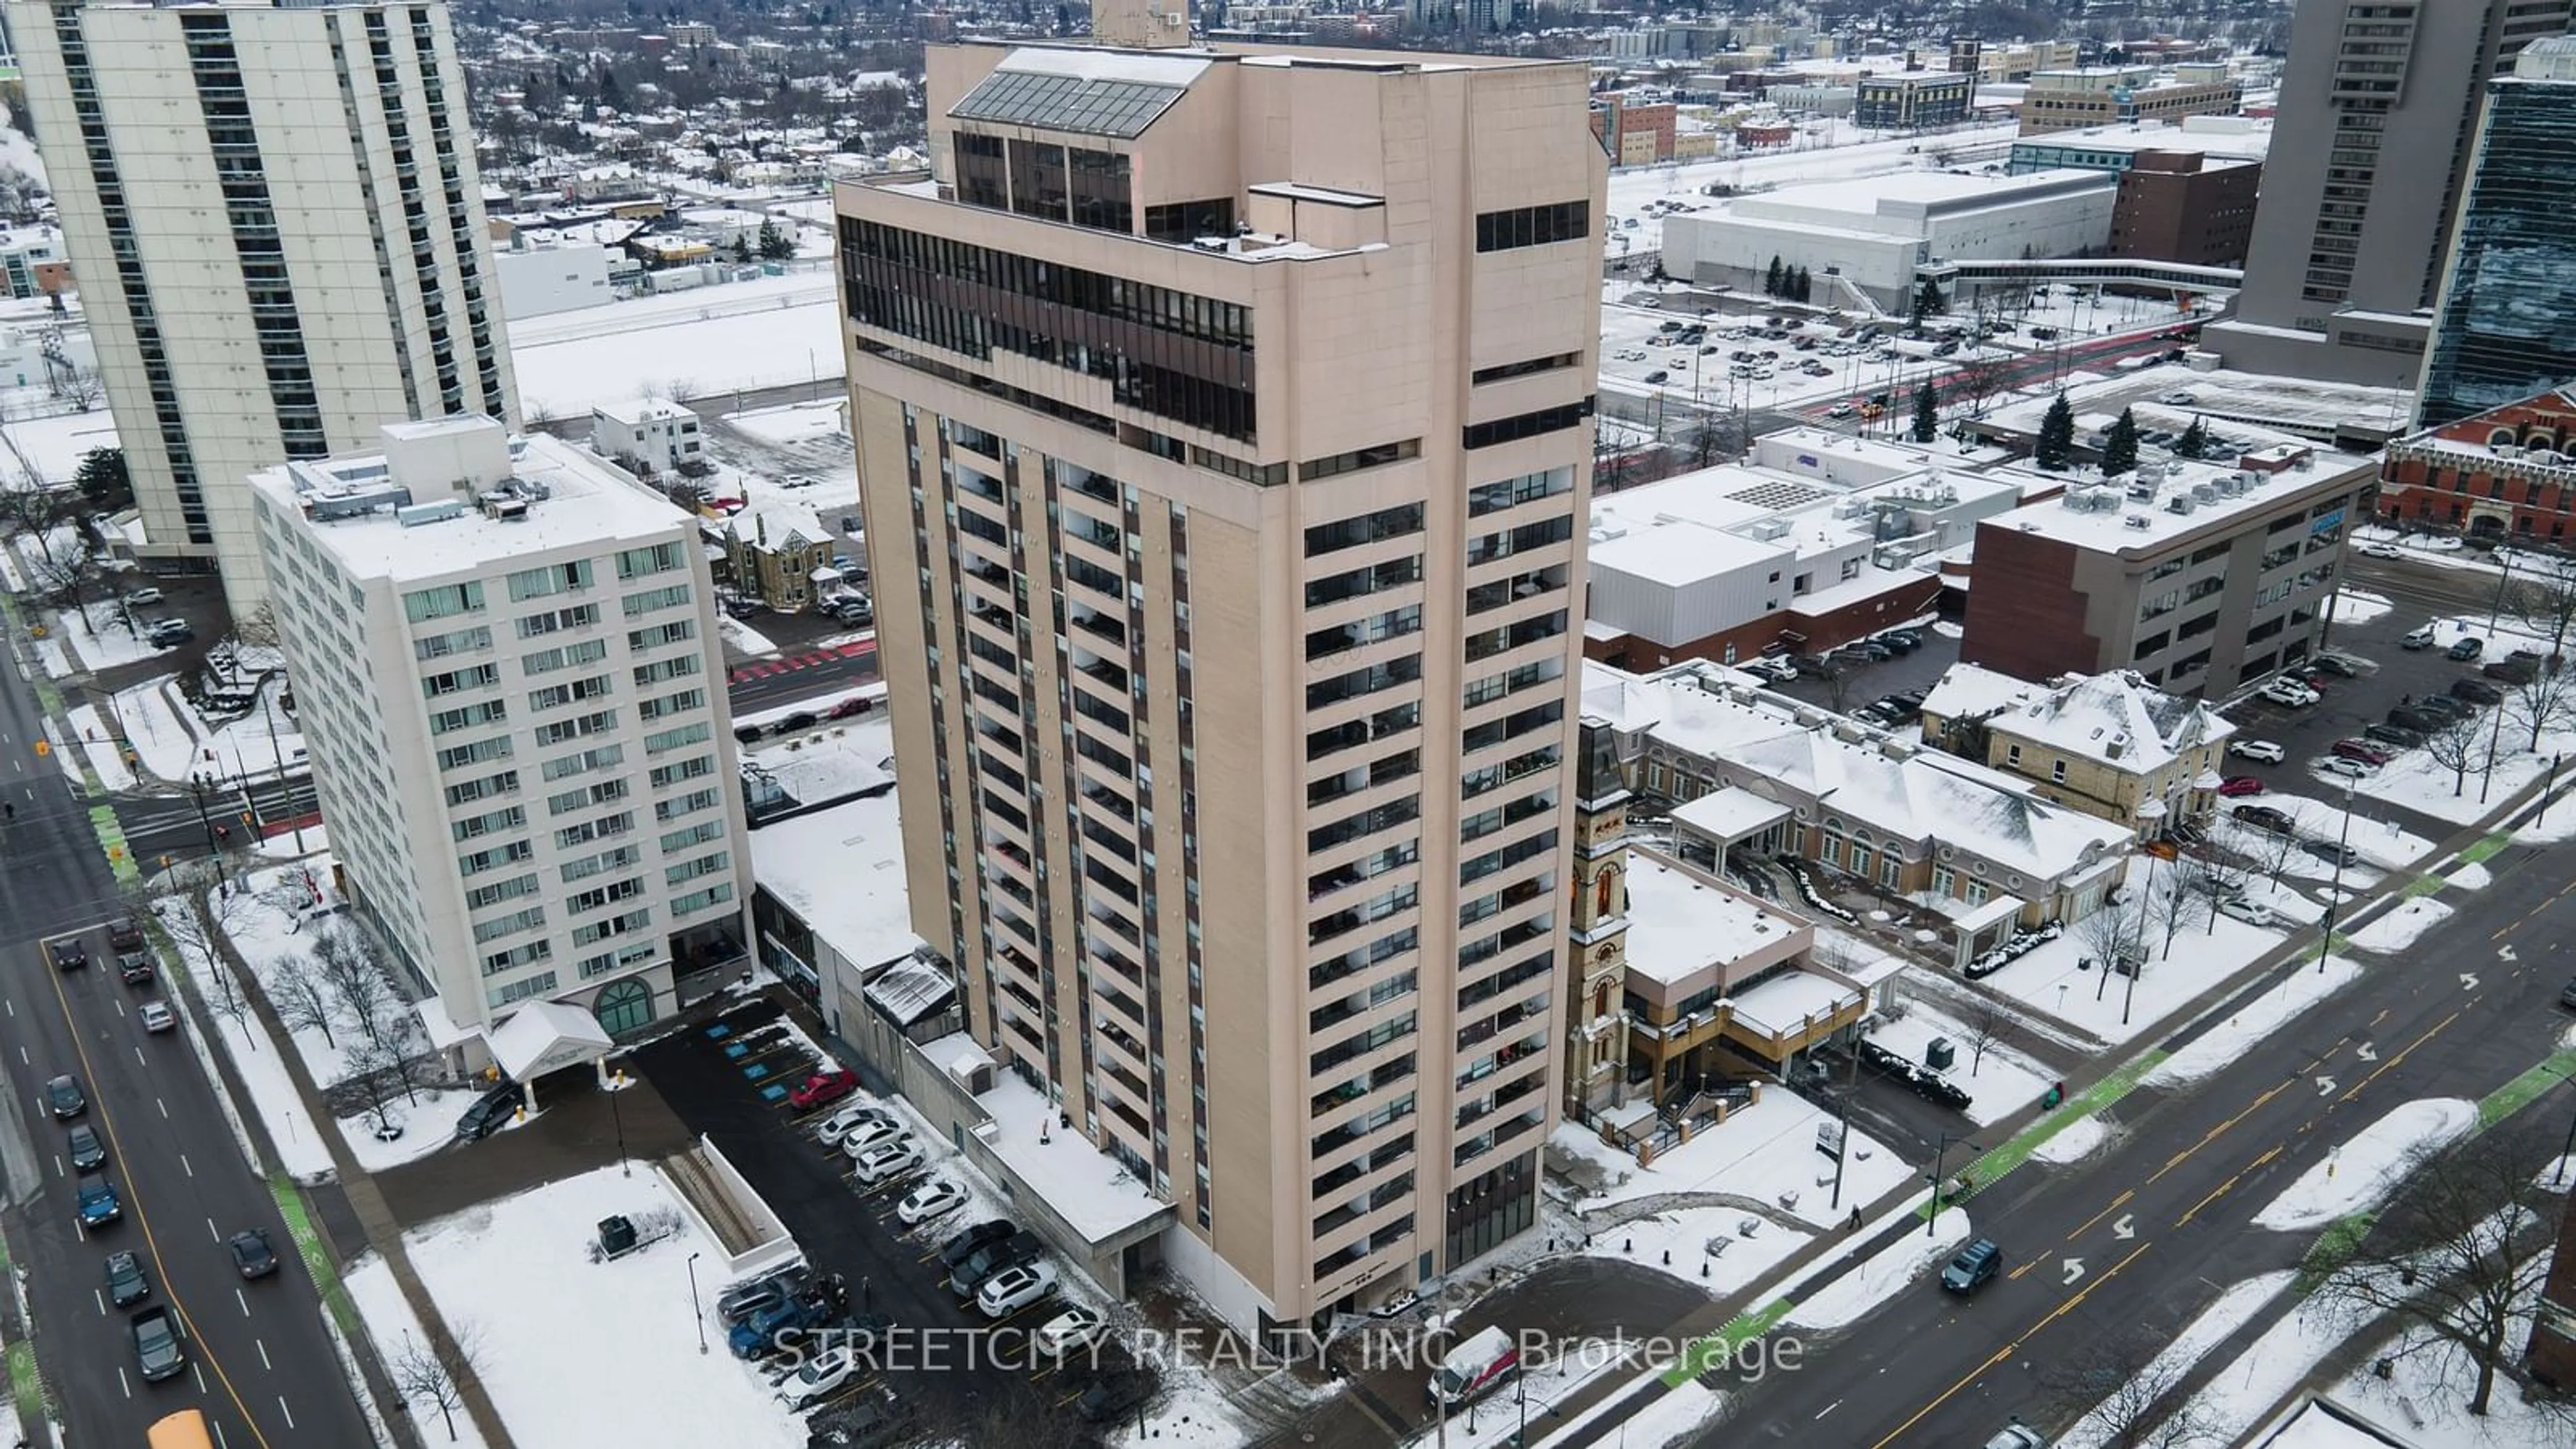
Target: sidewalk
[[383, 1232]]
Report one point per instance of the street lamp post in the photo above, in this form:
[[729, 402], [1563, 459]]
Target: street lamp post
[[617, 1124], [197, 791], [1940, 1156], [696, 1312], [2334, 892]]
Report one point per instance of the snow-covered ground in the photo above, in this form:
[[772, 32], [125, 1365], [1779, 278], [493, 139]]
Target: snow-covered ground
[[2077, 1140], [2206, 1331], [2366, 1168], [96, 740], [1722, 1249], [1894, 1269], [793, 425], [742, 638], [518, 1273], [163, 744], [1998, 1085], [2228, 1041], [53, 445], [738, 337], [300, 1148], [2359, 606], [1495, 1423], [396, 1332], [2064, 978], [104, 642], [1765, 1151], [2401, 927]]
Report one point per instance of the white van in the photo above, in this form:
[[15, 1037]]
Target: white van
[[1474, 1369]]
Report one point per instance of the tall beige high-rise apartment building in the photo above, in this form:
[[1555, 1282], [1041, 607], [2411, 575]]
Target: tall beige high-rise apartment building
[[1225, 431]]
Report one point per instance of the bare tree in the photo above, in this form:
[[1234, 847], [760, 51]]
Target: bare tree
[[2214, 876], [2270, 850], [295, 987], [2130, 1396], [353, 971], [2111, 934], [2173, 903], [1980, 378], [2462, 1252], [195, 929], [436, 1373], [64, 565], [2544, 600], [1982, 1027], [2456, 746], [2546, 699]]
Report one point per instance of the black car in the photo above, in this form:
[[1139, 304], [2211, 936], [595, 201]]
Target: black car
[[2422, 721], [252, 1256], [2335, 664], [1871, 650], [1901, 643], [963, 1246], [89, 1153], [2513, 671], [2446, 707], [2567, 996], [2264, 817], [2391, 734], [992, 1258], [759, 1295], [1807, 663], [67, 953], [2476, 691], [2466, 648], [64, 1096], [156, 1345], [490, 1113], [126, 1284]]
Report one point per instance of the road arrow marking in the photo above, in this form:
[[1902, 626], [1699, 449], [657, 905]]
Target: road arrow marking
[[2366, 1052], [2074, 1268], [2505, 952], [2325, 1086], [2126, 1228], [2468, 981]]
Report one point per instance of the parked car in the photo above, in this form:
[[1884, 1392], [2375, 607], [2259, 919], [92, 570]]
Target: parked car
[[2336, 664], [2264, 817], [1114, 1396], [88, 1152], [1974, 1267], [1014, 1288], [2465, 648], [1871, 650], [823, 1089], [930, 1200], [864, 1139], [984, 1262], [137, 598], [2421, 721], [825, 1374], [252, 1256], [1072, 1329], [99, 1204], [2251, 912], [2398, 735], [836, 1129], [2236, 786], [2017, 1435], [2476, 691], [125, 1281], [1657, 376], [2513, 671], [2567, 995], [2350, 769], [964, 1245], [2364, 751], [886, 1162], [156, 1016], [168, 633], [157, 1353], [2290, 693], [64, 1097], [2334, 852], [2263, 751], [490, 1113], [2416, 638], [752, 1296]]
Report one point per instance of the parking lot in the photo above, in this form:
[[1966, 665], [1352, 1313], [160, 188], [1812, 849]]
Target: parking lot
[[955, 1372]]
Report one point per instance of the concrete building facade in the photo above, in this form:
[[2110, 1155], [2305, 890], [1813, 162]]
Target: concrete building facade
[[2196, 577], [1913, 100], [1224, 429], [2379, 109], [659, 433], [513, 697], [2065, 100], [2180, 207], [269, 274]]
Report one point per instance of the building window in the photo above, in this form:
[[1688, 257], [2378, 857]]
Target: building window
[[1533, 226], [2057, 772]]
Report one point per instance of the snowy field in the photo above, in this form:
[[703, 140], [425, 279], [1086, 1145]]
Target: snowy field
[[1724, 1250], [2401, 927], [1766, 1151], [2063, 979], [53, 445], [519, 1270], [738, 337], [396, 1330], [2001, 1084]]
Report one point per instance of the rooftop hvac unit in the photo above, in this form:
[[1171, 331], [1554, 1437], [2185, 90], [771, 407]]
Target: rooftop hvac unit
[[2204, 493], [2180, 503], [2246, 477], [2140, 522]]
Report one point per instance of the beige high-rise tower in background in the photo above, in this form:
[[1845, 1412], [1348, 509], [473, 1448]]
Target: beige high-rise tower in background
[[1225, 433]]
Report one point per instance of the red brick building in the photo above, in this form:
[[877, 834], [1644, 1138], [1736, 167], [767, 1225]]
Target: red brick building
[[2181, 206], [1634, 134], [2511, 470]]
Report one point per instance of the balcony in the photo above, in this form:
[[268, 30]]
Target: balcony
[[1502, 1021], [1376, 1039], [1478, 1146], [1502, 1098], [1099, 625], [1344, 1094], [1392, 1155], [1384, 1196], [1325, 1144]]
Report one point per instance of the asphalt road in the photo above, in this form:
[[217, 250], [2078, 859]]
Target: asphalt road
[[2144, 1235], [171, 825], [261, 1365], [769, 683]]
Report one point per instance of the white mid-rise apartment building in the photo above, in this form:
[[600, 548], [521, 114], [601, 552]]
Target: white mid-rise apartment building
[[510, 684], [277, 224], [1224, 422]]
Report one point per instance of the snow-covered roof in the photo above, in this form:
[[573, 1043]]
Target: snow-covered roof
[[1972, 691], [841, 871], [546, 1036], [1085, 1186], [2117, 719], [911, 989], [637, 411], [1679, 924], [1730, 814], [1778, 1005]]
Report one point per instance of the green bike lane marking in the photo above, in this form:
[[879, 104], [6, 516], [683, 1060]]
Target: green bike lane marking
[[1706, 1353], [317, 1259]]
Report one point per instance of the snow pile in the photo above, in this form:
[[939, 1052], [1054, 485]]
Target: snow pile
[[518, 1273], [2400, 928], [1886, 1273], [2227, 1042], [2366, 1169], [1765, 1151], [2107, 1425], [2076, 1141]]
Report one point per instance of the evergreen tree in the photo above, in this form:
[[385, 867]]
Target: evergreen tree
[[1927, 301], [2120, 445], [1805, 286], [2056, 435], [741, 247], [1927, 412], [102, 479], [777, 244], [1771, 279], [2195, 440]]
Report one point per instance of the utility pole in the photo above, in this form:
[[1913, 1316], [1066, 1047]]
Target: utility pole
[[2334, 893]]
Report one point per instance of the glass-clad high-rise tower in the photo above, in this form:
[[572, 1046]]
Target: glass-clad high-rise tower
[[2505, 327]]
